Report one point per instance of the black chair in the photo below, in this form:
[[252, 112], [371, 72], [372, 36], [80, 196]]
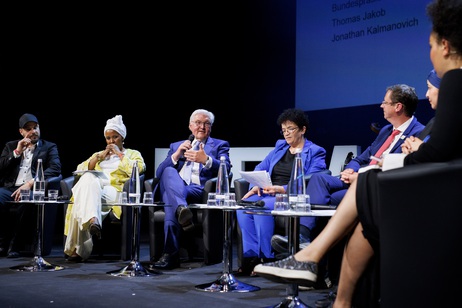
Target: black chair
[[27, 236], [116, 234], [204, 242], [420, 230]]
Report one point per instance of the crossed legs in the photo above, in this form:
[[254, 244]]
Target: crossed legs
[[357, 252], [355, 259]]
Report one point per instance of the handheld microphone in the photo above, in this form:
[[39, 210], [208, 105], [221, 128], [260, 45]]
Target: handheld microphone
[[191, 138]]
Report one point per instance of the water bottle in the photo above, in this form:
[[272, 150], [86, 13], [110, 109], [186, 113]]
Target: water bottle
[[222, 182], [298, 199], [134, 185], [39, 182]]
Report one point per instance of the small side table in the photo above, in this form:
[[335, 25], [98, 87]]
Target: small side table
[[226, 282], [135, 268], [38, 264], [292, 300]]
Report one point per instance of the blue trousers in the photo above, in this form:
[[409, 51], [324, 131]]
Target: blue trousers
[[175, 192], [257, 230], [326, 189]]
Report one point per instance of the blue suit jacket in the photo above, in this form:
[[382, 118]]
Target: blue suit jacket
[[313, 157], [213, 147], [363, 159]]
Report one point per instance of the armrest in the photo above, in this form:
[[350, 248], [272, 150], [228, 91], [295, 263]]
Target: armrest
[[53, 182], [211, 186], [241, 187], [127, 183]]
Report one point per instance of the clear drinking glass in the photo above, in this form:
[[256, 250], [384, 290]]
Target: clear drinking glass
[[53, 194], [123, 198], [212, 199], [148, 197], [25, 194], [282, 202], [230, 199], [303, 204]]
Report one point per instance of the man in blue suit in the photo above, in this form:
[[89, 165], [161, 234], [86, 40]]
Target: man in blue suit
[[399, 105], [189, 164]]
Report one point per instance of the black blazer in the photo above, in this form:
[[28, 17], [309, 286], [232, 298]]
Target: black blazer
[[9, 165]]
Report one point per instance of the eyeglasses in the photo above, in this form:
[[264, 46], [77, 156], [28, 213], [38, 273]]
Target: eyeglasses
[[199, 123], [289, 130], [387, 103]]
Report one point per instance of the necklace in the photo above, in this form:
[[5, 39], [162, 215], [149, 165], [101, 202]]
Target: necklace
[[295, 150]]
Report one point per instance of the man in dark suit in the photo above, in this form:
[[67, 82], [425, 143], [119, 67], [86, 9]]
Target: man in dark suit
[[399, 105], [18, 164], [189, 164]]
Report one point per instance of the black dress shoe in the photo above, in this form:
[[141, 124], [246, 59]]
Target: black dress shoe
[[3, 252], [185, 216], [95, 231], [167, 262], [246, 270], [13, 254], [75, 259]]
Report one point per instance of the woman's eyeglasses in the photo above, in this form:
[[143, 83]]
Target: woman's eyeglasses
[[289, 130]]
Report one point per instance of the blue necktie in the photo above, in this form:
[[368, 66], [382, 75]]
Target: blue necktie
[[188, 167]]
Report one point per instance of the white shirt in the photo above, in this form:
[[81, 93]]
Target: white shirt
[[25, 173]]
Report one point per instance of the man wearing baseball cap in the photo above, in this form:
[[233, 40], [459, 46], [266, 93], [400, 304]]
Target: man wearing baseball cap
[[18, 163]]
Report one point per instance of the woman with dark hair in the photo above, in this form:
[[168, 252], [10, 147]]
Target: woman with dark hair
[[257, 230]]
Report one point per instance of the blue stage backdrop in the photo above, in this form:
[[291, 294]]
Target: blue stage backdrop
[[349, 51]]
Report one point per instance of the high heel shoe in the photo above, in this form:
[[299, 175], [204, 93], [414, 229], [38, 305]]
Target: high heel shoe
[[74, 258], [95, 230]]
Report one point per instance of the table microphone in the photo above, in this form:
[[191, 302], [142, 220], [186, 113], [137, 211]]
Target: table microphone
[[252, 204]]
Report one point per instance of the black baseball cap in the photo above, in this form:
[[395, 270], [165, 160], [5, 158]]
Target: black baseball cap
[[27, 117]]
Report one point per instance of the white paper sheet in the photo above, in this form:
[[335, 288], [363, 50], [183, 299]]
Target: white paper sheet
[[259, 178]]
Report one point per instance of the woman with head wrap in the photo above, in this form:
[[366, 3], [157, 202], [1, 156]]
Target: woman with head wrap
[[84, 217], [412, 143]]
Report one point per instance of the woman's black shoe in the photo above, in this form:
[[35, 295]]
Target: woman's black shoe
[[95, 231], [247, 267], [75, 259]]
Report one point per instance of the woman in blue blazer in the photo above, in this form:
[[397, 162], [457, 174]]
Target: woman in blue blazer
[[257, 230]]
